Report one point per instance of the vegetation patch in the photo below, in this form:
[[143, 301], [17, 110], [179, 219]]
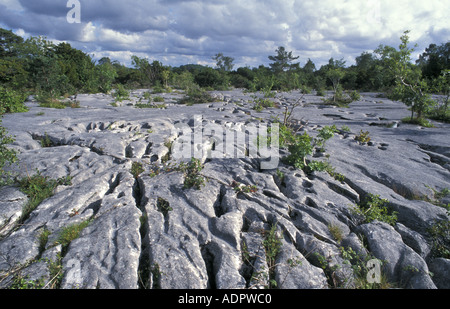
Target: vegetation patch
[[7, 156], [39, 188], [374, 208], [196, 95]]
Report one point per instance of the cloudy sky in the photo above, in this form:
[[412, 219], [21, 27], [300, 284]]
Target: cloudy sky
[[178, 32]]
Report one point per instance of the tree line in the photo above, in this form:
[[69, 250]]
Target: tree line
[[51, 71]]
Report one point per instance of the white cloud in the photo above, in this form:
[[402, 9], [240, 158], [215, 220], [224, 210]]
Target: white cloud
[[249, 30]]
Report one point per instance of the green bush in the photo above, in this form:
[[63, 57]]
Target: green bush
[[136, 169], [374, 208], [304, 145], [184, 80], [11, 101], [38, 188], [196, 95], [121, 93], [355, 96], [7, 156], [192, 170], [440, 237], [211, 78]]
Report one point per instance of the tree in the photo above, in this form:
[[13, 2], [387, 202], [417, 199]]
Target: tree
[[434, 60], [8, 42], [224, 63], [369, 73], [209, 77], [75, 64], [165, 75], [43, 64], [105, 74], [148, 72], [335, 73], [12, 68], [282, 61], [309, 67], [410, 87]]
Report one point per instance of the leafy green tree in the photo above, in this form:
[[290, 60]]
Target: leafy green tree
[[309, 67], [224, 63], [105, 74], [441, 110], [11, 101], [76, 65], [165, 75], [335, 73], [369, 73], [46, 75], [434, 60], [282, 61], [12, 67], [410, 87], [209, 77], [8, 43], [149, 73]]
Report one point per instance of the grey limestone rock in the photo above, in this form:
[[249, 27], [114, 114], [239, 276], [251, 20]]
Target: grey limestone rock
[[147, 229]]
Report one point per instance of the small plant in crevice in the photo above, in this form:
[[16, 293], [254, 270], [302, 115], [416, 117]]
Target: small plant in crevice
[[136, 169], [363, 137], [359, 265], [260, 274], [305, 145], [238, 187], [38, 188], [336, 231], [440, 238], [272, 247], [438, 196], [46, 141], [163, 206], [192, 176], [70, 233], [375, 208], [156, 275], [191, 170]]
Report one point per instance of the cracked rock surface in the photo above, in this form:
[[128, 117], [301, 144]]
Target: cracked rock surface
[[151, 231]]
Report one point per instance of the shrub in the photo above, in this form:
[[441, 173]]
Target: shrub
[[184, 80], [70, 233], [11, 101], [121, 93], [209, 77], [304, 145], [355, 96], [261, 104], [375, 208], [136, 169], [7, 156], [440, 237], [191, 171], [196, 95], [38, 188], [418, 121], [363, 137]]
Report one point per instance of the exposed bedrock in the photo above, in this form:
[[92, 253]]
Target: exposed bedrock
[[244, 226]]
